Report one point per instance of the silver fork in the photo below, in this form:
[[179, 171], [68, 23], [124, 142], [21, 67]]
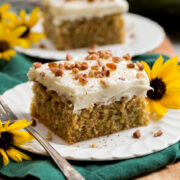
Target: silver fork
[[69, 172]]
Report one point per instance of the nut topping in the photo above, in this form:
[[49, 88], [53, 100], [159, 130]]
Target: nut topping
[[37, 65], [42, 74], [140, 75], [84, 66], [116, 59], [83, 80], [111, 66], [130, 65], [139, 65], [95, 67], [75, 70], [137, 134], [127, 57], [59, 72], [68, 57], [158, 133], [67, 66], [52, 65]]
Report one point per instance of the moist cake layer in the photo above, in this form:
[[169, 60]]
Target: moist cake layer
[[70, 10], [56, 112], [84, 82]]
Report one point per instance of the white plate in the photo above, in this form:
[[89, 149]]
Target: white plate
[[148, 35], [116, 146]]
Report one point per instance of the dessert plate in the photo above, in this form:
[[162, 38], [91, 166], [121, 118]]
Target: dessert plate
[[142, 35], [113, 147]]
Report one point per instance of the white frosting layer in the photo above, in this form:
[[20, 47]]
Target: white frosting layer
[[62, 10], [94, 92]]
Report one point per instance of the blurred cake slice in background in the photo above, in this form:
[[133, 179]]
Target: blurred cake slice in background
[[71, 24]]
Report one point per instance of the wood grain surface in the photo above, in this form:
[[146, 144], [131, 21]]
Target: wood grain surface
[[171, 172]]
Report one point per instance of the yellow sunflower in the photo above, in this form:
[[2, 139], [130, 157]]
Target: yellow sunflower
[[8, 39], [29, 22], [165, 81], [10, 138]]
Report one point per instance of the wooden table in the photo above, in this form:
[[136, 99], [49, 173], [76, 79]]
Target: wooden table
[[171, 172]]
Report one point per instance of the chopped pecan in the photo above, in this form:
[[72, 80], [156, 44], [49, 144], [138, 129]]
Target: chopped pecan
[[116, 59], [137, 134], [84, 66], [95, 67], [140, 75], [90, 74], [83, 80], [68, 57], [130, 65], [75, 70], [108, 73], [140, 66], [103, 82], [100, 63], [52, 65], [77, 65], [127, 57], [92, 57], [98, 74], [59, 72], [42, 74], [158, 133], [67, 66], [111, 66], [60, 66], [37, 65]]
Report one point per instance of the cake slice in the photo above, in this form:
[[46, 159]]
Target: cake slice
[[73, 24], [83, 98]]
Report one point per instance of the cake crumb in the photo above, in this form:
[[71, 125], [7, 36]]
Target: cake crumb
[[42, 46], [49, 136], [78, 145], [93, 145], [158, 133], [132, 35], [137, 134]]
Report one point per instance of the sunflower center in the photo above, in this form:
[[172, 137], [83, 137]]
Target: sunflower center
[[6, 140], [25, 34], [4, 45], [159, 89]]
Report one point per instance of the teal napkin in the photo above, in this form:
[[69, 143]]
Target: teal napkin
[[14, 73]]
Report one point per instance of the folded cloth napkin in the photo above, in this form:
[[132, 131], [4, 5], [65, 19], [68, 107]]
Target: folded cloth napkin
[[42, 167]]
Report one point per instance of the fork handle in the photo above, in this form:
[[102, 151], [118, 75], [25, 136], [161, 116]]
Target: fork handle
[[69, 172]]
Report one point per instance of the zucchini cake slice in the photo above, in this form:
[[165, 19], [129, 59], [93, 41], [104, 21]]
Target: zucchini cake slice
[[82, 98], [71, 24]]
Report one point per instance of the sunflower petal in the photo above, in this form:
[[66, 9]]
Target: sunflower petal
[[147, 69], [170, 101], [156, 67], [159, 109], [23, 16], [19, 31], [34, 17], [24, 156], [173, 88], [21, 137], [168, 66], [5, 7], [14, 155], [5, 157], [19, 125]]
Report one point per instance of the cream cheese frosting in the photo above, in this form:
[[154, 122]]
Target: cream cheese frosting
[[62, 10], [123, 82]]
